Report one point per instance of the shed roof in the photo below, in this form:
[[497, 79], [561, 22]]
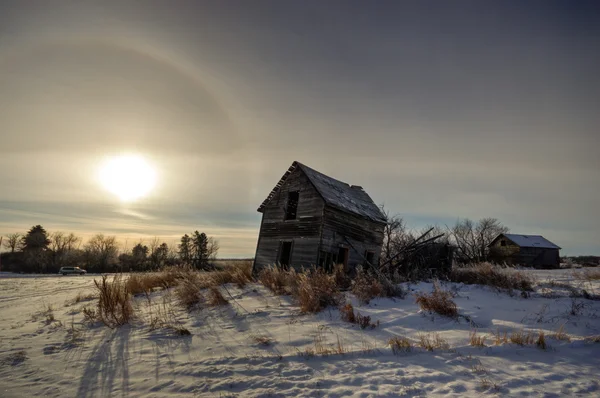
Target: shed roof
[[335, 193], [530, 241]]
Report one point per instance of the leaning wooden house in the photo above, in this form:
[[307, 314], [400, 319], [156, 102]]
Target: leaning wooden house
[[528, 250], [310, 219]]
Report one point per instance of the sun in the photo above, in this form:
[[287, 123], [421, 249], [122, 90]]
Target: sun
[[130, 177]]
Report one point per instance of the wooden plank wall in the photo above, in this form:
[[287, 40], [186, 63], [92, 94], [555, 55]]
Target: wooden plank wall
[[354, 232], [305, 230]]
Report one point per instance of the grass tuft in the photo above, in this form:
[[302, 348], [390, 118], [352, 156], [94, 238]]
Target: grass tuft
[[188, 293], [432, 341], [475, 340], [438, 301], [560, 334], [315, 290], [114, 302], [400, 344]]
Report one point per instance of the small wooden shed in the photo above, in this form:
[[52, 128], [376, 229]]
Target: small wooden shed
[[528, 250], [310, 219]]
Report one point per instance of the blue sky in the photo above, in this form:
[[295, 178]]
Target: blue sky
[[439, 110]]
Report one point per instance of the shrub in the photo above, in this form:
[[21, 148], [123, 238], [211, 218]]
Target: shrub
[[438, 301], [314, 290], [114, 302], [431, 341], [486, 274], [400, 344], [215, 297]]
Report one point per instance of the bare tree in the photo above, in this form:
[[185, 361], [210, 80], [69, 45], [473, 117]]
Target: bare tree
[[395, 236], [62, 246], [472, 239], [101, 252], [212, 248], [13, 242]]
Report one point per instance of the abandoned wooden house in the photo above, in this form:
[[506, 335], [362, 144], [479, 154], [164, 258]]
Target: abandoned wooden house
[[310, 219], [528, 250]]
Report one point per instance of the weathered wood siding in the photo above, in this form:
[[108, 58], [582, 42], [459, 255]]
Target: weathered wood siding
[[304, 231], [342, 229]]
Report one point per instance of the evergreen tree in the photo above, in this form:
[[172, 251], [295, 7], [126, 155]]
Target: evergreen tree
[[185, 249], [35, 247], [200, 250]]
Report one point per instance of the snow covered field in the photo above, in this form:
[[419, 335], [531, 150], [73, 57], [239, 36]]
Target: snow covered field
[[260, 345]]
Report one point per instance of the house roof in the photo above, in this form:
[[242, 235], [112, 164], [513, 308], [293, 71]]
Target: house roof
[[529, 241], [335, 193]]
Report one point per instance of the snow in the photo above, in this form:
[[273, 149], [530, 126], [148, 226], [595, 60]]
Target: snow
[[224, 357]]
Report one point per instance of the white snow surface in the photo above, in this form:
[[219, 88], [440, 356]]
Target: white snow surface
[[222, 357]]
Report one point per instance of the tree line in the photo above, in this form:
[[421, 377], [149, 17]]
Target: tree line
[[38, 251]]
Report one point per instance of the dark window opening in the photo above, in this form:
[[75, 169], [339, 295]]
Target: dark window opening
[[291, 209], [369, 257], [342, 257], [502, 243], [285, 254]]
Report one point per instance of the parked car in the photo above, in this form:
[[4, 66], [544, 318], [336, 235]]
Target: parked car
[[72, 270]]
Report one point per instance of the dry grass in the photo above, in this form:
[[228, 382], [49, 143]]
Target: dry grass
[[188, 293], [560, 334], [522, 338], [366, 287], [432, 341], [347, 314], [114, 302], [276, 279], [315, 290], [239, 273], [81, 297], [342, 280], [400, 344], [541, 341], [215, 297], [587, 274], [487, 384], [475, 340], [48, 314], [500, 338], [439, 301], [593, 339], [487, 274], [262, 340]]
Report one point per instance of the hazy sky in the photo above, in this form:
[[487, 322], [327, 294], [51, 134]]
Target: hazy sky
[[438, 109]]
